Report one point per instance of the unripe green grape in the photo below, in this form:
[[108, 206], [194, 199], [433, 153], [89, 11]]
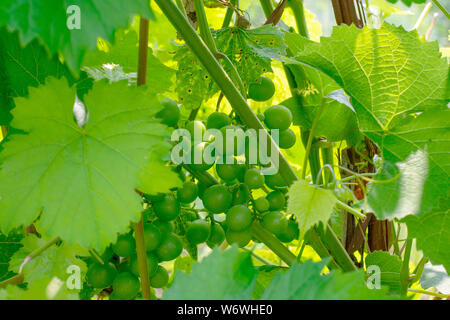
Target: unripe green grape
[[217, 198], [239, 218], [170, 248], [170, 114], [160, 278], [188, 192], [126, 286], [167, 209], [290, 233], [274, 222], [254, 179], [287, 139], [198, 231], [262, 90], [262, 204], [227, 172], [275, 181], [198, 162], [152, 237], [194, 127], [241, 238], [278, 117], [125, 245], [217, 120], [217, 235], [152, 264], [276, 199], [101, 275]]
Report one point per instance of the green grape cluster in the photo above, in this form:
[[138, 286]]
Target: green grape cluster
[[195, 213]]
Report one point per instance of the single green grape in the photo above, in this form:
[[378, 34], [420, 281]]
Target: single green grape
[[188, 192], [276, 199], [198, 231], [160, 278], [262, 90], [217, 198], [167, 209], [239, 218], [278, 117], [217, 120], [262, 204], [170, 248], [101, 275], [287, 139], [125, 245], [290, 233], [275, 222], [254, 179], [152, 236], [126, 286]]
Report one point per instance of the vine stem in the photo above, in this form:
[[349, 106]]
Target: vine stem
[[299, 15], [434, 294], [404, 272], [139, 227], [353, 211], [422, 16], [310, 138]]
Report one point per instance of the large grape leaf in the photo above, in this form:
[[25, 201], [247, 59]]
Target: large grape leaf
[[417, 161], [29, 66], [123, 53], [310, 204], [53, 262], [82, 179], [251, 51], [226, 275], [387, 72], [432, 233], [390, 267], [47, 20], [305, 282]]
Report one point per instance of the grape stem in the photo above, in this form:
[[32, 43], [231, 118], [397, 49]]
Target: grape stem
[[139, 227]]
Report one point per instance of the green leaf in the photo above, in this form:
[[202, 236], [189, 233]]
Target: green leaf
[[390, 267], [124, 53], [225, 275], [310, 204], [435, 276], [194, 84], [251, 51], [414, 152], [387, 72], [42, 289], [264, 278], [408, 2], [53, 262], [432, 232], [9, 244], [47, 20], [305, 282], [24, 67], [83, 179]]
